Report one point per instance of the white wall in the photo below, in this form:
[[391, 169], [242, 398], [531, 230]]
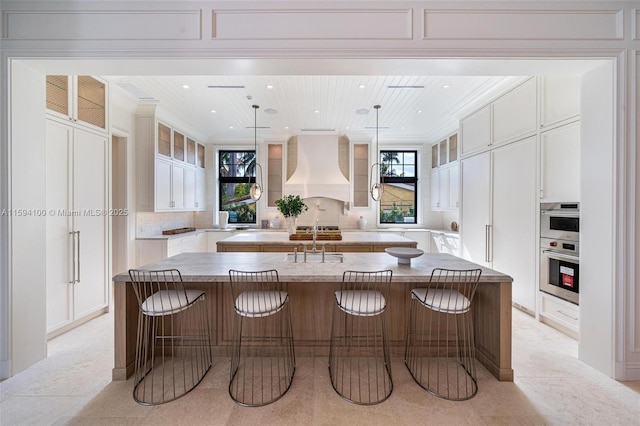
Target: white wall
[[27, 309], [122, 109], [598, 277]]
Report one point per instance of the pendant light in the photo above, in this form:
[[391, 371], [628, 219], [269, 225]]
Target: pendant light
[[377, 188], [256, 188]]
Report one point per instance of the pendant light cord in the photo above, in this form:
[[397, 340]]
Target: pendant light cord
[[255, 131], [256, 188]]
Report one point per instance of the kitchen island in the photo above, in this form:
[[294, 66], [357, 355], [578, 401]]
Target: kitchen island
[[360, 242], [311, 286]]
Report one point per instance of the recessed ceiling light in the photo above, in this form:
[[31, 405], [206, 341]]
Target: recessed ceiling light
[[269, 86], [446, 86], [185, 86], [270, 111], [316, 111], [419, 111], [213, 111], [402, 128], [405, 87], [231, 127], [362, 111], [347, 127], [362, 86], [286, 127]]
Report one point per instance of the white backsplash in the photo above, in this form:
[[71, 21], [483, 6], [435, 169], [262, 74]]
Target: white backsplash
[[152, 224], [448, 217]]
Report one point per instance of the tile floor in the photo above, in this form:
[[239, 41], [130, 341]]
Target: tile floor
[[73, 386]]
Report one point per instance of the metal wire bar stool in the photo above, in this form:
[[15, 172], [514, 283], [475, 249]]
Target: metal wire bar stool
[[440, 347], [263, 359], [173, 346], [359, 360]]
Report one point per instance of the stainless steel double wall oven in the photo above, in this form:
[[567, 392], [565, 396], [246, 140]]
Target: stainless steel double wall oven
[[560, 250]]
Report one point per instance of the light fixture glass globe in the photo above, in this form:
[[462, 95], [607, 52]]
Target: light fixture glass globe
[[255, 191], [376, 191]]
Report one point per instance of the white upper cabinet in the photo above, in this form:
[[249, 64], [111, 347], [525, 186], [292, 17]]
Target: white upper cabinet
[[189, 188], [514, 114], [511, 117], [454, 186], [475, 131], [81, 99], [560, 164], [170, 166], [435, 189], [445, 174], [559, 99]]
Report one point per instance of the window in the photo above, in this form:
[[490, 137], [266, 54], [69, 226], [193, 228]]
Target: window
[[399, 199], [236, 173]]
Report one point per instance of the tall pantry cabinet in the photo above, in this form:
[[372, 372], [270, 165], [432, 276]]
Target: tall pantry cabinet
[[498, 175], [77, 280]]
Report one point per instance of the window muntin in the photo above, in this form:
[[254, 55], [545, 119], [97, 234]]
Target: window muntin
[[398, 172], [236, 174]]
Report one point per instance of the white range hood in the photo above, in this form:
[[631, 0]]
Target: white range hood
[[318, 172]]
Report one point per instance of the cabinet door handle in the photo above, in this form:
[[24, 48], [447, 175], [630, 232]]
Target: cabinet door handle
[[73, 257], [487, 243], [78, 280], [567, 315]]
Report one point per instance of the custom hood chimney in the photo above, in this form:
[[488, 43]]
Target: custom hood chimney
[[318, 172]]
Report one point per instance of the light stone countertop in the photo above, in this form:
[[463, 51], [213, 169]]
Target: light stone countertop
[[283, 238], [214, 267], [172, 236], [282, 231]]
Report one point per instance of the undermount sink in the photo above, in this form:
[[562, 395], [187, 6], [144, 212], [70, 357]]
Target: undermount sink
[[316, 257]]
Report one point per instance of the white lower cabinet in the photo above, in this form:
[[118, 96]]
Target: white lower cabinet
[[420, 236], [77, 279], [442, 242], [560, 314], [498, 217], [154, 249], [214, 237]]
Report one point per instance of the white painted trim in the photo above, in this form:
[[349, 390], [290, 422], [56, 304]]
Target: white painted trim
[[312, 24], [522, 24], [338, 56]]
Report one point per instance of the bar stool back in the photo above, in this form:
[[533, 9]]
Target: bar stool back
[[440, 347], [173, 346], [359, 361], [262, 359]]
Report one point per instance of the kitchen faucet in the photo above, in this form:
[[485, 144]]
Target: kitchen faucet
[[315, 236]]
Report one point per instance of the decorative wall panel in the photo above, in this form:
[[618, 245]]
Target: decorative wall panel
[[522, 25], [101, 25], [311, 24]]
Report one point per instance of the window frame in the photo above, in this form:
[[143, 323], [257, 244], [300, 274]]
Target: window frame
[[222, 180], [414, 180]]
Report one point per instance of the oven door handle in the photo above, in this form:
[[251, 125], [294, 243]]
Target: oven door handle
[[552, 253], [561, 213]]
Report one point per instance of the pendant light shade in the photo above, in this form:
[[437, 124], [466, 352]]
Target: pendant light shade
[[256, 188], [377, 187]]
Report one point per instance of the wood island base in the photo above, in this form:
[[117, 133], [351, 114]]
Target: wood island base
[[312, 305]]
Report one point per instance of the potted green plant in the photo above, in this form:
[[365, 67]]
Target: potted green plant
[[291, 206]]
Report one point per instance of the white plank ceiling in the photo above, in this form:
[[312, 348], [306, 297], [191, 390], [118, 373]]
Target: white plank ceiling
[[418, 109]]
